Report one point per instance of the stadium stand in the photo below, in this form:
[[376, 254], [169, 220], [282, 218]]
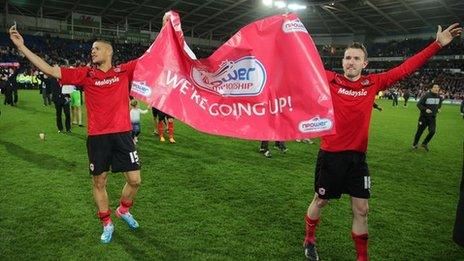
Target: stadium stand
[[445, 72]]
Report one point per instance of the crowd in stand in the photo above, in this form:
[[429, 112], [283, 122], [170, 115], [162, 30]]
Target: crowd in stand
[[76, 53], [65, 51], [395, 48], [432, 64], [421, 81], [409, 47]]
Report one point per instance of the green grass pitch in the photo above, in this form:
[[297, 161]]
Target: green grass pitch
[[215, 198]]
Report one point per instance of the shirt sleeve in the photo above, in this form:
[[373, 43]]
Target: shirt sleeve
[[330, 75], [129, 67], [73, 76], [407, 67]]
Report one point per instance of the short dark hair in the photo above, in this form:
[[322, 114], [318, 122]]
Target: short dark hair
[[358, 45], [103, 41]]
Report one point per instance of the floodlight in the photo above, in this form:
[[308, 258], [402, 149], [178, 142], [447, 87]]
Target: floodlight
[[296, 7], [267, 2], [280, 4]]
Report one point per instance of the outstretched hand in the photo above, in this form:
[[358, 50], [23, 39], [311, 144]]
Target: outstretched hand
[[16, 37], [444, 37]]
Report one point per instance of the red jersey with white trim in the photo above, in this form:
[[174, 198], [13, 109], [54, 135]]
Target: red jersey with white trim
[[107, 96], [353, 101]]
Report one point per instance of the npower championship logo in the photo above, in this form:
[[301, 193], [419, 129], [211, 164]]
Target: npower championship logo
[[141, 88], [315, 124], [243, 77], [291, 26]]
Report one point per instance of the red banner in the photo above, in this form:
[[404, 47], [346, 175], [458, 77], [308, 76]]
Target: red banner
[[267, 82]]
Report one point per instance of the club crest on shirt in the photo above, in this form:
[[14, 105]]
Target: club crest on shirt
[[365, 82]]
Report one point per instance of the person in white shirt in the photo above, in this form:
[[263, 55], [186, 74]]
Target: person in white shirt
[[135, 119]]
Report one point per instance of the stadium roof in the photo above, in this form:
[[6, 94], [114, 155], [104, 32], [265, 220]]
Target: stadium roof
[[220, 19]]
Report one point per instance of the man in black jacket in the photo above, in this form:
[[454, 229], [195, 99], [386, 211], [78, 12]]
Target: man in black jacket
[[61, 105], [406, 95], [458, 231], [3, 86], [45, 89], [429, 105], [7, 91], [9, 88], [13, 83], [462, 108], [394, 94]]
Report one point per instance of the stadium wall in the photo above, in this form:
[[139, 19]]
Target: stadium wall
[[33, 22]]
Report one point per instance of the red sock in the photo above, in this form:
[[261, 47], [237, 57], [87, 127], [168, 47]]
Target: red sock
[[171, 129], [160, 128], [311, 230], [360, 243], [105, 217], [125, 205]]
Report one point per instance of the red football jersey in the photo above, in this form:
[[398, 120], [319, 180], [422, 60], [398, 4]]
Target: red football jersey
[[353, 101], [106, 94]]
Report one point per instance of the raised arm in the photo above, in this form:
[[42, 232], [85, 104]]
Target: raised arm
[[415, 62], [18, 40]]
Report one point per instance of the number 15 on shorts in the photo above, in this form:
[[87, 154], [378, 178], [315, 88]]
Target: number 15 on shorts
[[134, 157]]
